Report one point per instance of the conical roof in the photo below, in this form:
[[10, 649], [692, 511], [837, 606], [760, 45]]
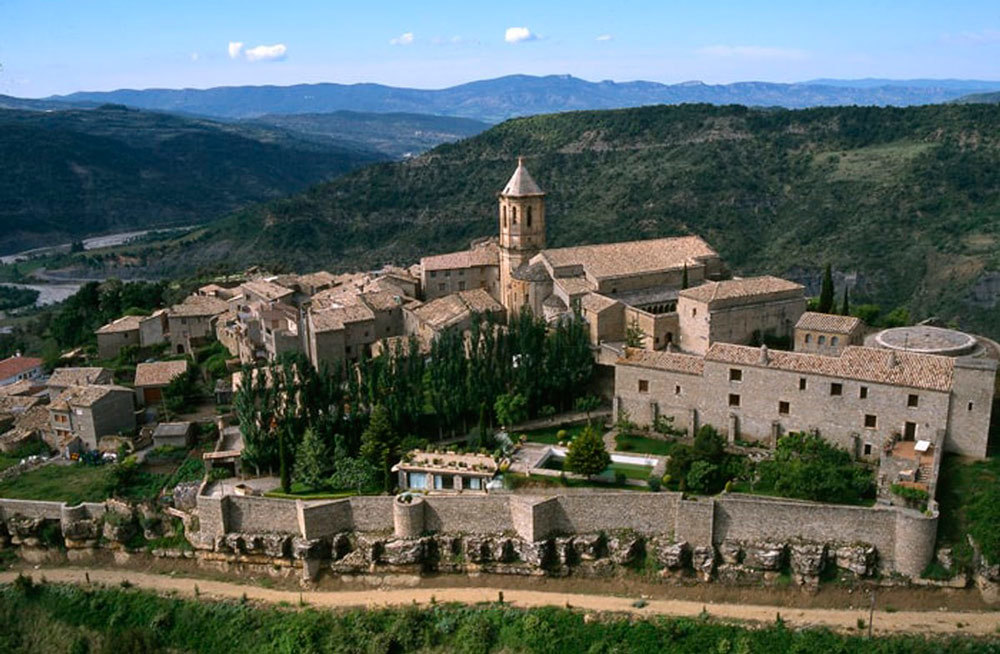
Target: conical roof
[[521, 183]]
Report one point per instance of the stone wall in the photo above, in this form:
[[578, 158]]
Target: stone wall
[[323, 519], [261, 515], [30, 509]]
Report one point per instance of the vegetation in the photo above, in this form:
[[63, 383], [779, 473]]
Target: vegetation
[[826, 292], [8, 459], [12, 297], [554, 435], [587, 455], [98, 303], [807, 467], [969, 502], [644, 444], [704, 467], [72, 484], [45, 617], [85, 164]]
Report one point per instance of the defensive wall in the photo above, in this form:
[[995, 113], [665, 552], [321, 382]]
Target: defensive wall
[[904, 539]]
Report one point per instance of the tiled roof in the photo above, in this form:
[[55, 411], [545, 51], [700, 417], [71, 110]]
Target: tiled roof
[[574, 285], [316, 279], [199, 305], [14, 366], [17, 403], [520, 183], [63, 377], [826, 322], [267, 290], [382, 300], [869, 364], [596, 302], [487, 254], [335, 316], [532, 272], [673, 361], [734, 289], [159, 373], [84, 396], [611, 260], [480, 300], [452, 309], [23, 387], [123, 324]]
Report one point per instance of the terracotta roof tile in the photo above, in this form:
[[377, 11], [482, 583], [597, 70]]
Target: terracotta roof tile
[[610, 260], [521, 183], [123, 324], [487, 254], [159, 373], [734, 289], [13, 366], [659, 360], [63, 377], [825, 322], [199, 305]]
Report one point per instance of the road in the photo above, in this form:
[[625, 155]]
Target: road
[[918, 622]]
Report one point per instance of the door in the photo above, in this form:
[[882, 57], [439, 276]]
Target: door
[[910, 431]]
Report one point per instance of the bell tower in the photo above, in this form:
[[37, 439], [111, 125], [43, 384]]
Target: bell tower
[[522, 226]]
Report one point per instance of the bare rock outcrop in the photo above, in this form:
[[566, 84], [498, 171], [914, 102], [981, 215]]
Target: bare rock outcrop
[[765, 556], [857, 558], [673, 556]]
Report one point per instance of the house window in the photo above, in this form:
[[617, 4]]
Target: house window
[[734, 399], [821, 340], [868, 449], [447, 273], [347, 349], [783, 408], [863, 392], [802, 383], [438, 482], [833, 341], [434, 273], [694, 312], [441, 286], [677, 391], [836, 389], [970, 406], [643, 385], [871, 421], [913, 400], [418, 480], [475, 483], [461, 286], [808, 338], [735, 375]]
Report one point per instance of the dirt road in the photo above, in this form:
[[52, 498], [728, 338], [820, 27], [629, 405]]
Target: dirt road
[[922, 622]]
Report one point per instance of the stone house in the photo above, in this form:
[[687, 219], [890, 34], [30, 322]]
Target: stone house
[[825, 333], [338, 332], [478, 267], [265, 291], [738, 311], [126, 331], [427, 321], [859, 400], [63, 378], [446, 471], [90, 412], [173, 434], [152, 378], [17, 368], [192, 322]]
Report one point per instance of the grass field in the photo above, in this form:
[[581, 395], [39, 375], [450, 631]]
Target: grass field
[[300, 492], [548, 436], [59, 483], [644, 445]]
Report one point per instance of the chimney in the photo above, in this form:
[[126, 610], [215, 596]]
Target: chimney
[[17, 354], [893, 359], [765, 356]]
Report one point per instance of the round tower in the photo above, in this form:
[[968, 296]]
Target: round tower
[[522, 227]]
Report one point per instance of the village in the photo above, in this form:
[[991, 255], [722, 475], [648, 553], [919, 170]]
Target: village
[[510, 406]]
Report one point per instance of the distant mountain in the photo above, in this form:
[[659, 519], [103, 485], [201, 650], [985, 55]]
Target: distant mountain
[[397, 135], [964, 85], [69, 174], [28, 104], [903, 202], [979, 98], [520, 95]]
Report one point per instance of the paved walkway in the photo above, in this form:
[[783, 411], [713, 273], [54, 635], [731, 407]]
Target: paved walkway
[[972, 623]]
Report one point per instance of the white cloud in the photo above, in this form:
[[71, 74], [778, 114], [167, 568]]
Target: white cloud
[[518, 34], [235, 47], [274, 52], [751, 52], [195, 56], [406, 38], [974, 38], [604, 37]]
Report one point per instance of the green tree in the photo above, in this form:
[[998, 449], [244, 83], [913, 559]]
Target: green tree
[[826, 292], [634, 334], [587, 455], [284, 465], [354, 473], [312, 460], [807, 467], [587, 404], [702, 476], [379, 445], [684, 277], [510, 409], [845, 306]]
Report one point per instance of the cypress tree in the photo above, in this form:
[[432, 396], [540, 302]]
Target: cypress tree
[[286, 478], [826, 292], [845, 308], [684, 277]]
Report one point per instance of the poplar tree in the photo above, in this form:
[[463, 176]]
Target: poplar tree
[[845, 308], [826, 292]]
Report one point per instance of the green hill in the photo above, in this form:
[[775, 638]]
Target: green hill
[[987, 98], [905, 203], [68, 174]]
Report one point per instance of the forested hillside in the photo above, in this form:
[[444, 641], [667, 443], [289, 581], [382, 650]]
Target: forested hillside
[[68, 174], [904, 203]]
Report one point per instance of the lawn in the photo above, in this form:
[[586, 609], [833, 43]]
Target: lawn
[[59, 483], [300, 492], [630, 470], [544, 481], [643, 444], [548, 436]]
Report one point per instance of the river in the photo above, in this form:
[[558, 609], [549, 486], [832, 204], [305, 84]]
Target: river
[[92, 243], [49, 293]]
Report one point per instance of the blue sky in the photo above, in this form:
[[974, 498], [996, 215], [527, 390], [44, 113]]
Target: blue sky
[[60, 46]]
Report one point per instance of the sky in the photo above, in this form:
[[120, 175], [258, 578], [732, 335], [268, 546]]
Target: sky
[[60, 46]]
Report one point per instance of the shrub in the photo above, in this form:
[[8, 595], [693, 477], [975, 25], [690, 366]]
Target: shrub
[[587, 455], [654, 484], [620, 478]]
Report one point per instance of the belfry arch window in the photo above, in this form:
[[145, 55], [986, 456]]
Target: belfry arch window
[[529, 215], [513, 215], [503, 215]]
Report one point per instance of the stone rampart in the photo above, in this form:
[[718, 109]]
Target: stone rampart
[[30, 509], [324, 519], [261, 515]]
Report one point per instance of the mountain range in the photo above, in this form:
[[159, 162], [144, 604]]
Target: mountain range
[[497, 99]]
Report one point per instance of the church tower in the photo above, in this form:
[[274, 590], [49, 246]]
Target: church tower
[[522, 227]]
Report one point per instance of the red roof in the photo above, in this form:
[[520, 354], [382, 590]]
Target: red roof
[[14, 366]]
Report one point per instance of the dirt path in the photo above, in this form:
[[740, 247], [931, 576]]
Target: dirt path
[[922, 622]]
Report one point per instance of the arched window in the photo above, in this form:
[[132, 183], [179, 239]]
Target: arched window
[[513, 215], [529, 215], [833, 341], [821, 340], [809, 338], [503, 215]]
